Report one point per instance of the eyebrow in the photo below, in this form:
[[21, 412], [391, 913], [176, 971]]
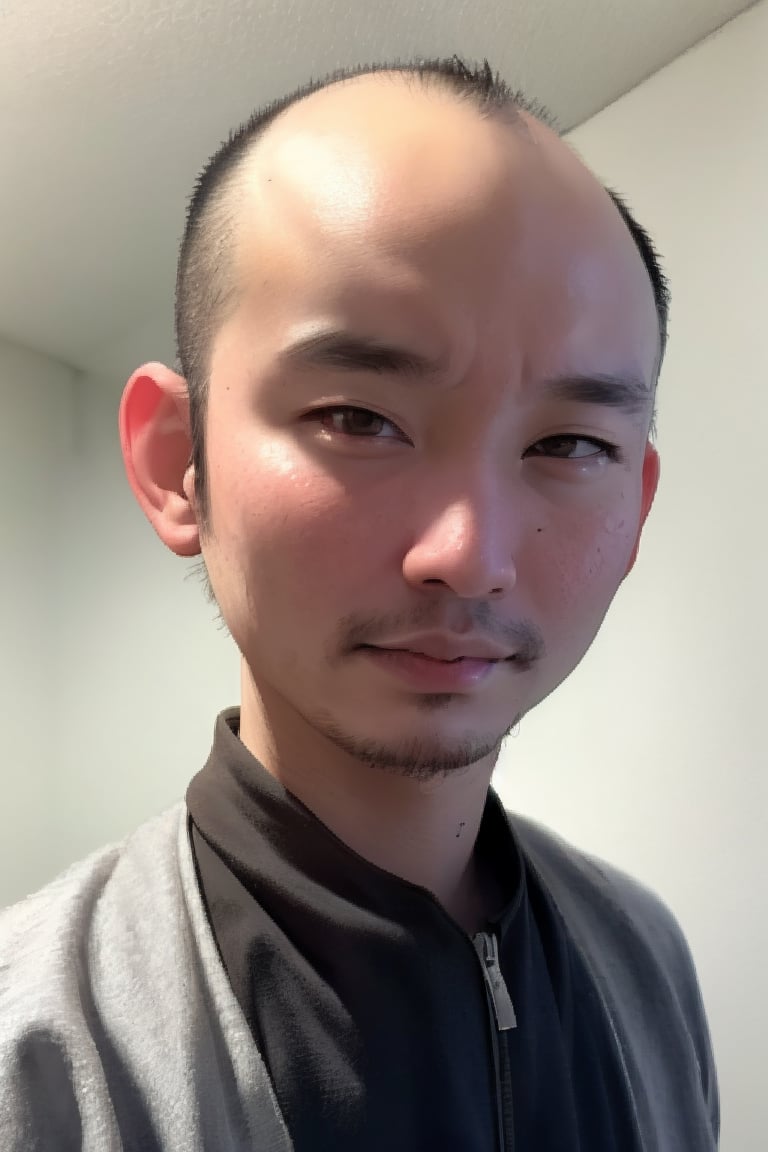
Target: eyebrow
[[346, 352], [339, 349], [628, 394]]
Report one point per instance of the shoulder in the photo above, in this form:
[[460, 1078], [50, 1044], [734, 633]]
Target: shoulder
[[46, 940], [578, 880], [633, 945], [63, 909], [614, 918], [55, 948]]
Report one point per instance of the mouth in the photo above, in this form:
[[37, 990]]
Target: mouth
[[453, 660], [459, 674]]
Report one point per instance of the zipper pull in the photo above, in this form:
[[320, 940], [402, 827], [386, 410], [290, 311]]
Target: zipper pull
[[487, 948]]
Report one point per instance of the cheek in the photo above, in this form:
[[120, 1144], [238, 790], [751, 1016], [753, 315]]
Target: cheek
[[580, 566], [298, 535]]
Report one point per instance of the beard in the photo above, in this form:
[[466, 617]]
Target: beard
[[416, 757], [422, 757]]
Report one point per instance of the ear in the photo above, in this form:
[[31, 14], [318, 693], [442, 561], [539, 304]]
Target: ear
[[651, 473], [157, 449]]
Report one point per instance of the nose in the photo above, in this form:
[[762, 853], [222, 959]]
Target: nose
[[467, 547]]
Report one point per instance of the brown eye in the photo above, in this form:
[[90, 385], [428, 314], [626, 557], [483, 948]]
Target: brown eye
[[360, 423], [574, 448]]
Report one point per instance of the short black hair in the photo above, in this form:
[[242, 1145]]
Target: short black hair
[[204, 284]]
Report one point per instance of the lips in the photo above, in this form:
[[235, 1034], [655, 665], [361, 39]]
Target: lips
[[448, 650], [426, 673], [440, 659]]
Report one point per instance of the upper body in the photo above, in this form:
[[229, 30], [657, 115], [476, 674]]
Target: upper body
[[363, 1021], [411, 439]]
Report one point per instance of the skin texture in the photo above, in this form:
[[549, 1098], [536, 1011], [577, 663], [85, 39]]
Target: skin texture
[[403, 217]]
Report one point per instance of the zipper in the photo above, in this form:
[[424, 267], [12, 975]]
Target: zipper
[[502, 1013], [487, 948]]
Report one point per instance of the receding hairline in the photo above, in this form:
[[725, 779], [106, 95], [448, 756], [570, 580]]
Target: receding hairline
[[419, 84], [425, 85], [228, 202]]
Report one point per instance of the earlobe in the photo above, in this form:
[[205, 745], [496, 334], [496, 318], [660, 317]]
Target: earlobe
[[156, 444], [651, 474]]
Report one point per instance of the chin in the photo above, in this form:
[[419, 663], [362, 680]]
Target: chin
[[421, 751]]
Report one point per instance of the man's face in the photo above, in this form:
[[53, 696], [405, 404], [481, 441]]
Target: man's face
[[356, 503]]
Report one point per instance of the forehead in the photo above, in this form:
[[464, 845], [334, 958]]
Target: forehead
[[362, 202]]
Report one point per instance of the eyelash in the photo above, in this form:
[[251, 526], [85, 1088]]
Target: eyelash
[[607, 450]]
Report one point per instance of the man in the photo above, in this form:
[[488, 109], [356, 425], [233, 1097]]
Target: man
[[419, 347]]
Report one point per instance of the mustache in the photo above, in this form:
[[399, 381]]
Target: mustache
[[521, 636]]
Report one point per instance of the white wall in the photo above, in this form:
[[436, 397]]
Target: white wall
[[652, 754], [112, 663], [153, 666], [35, 446]]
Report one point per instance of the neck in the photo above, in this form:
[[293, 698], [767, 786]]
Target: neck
[[421, 830]]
